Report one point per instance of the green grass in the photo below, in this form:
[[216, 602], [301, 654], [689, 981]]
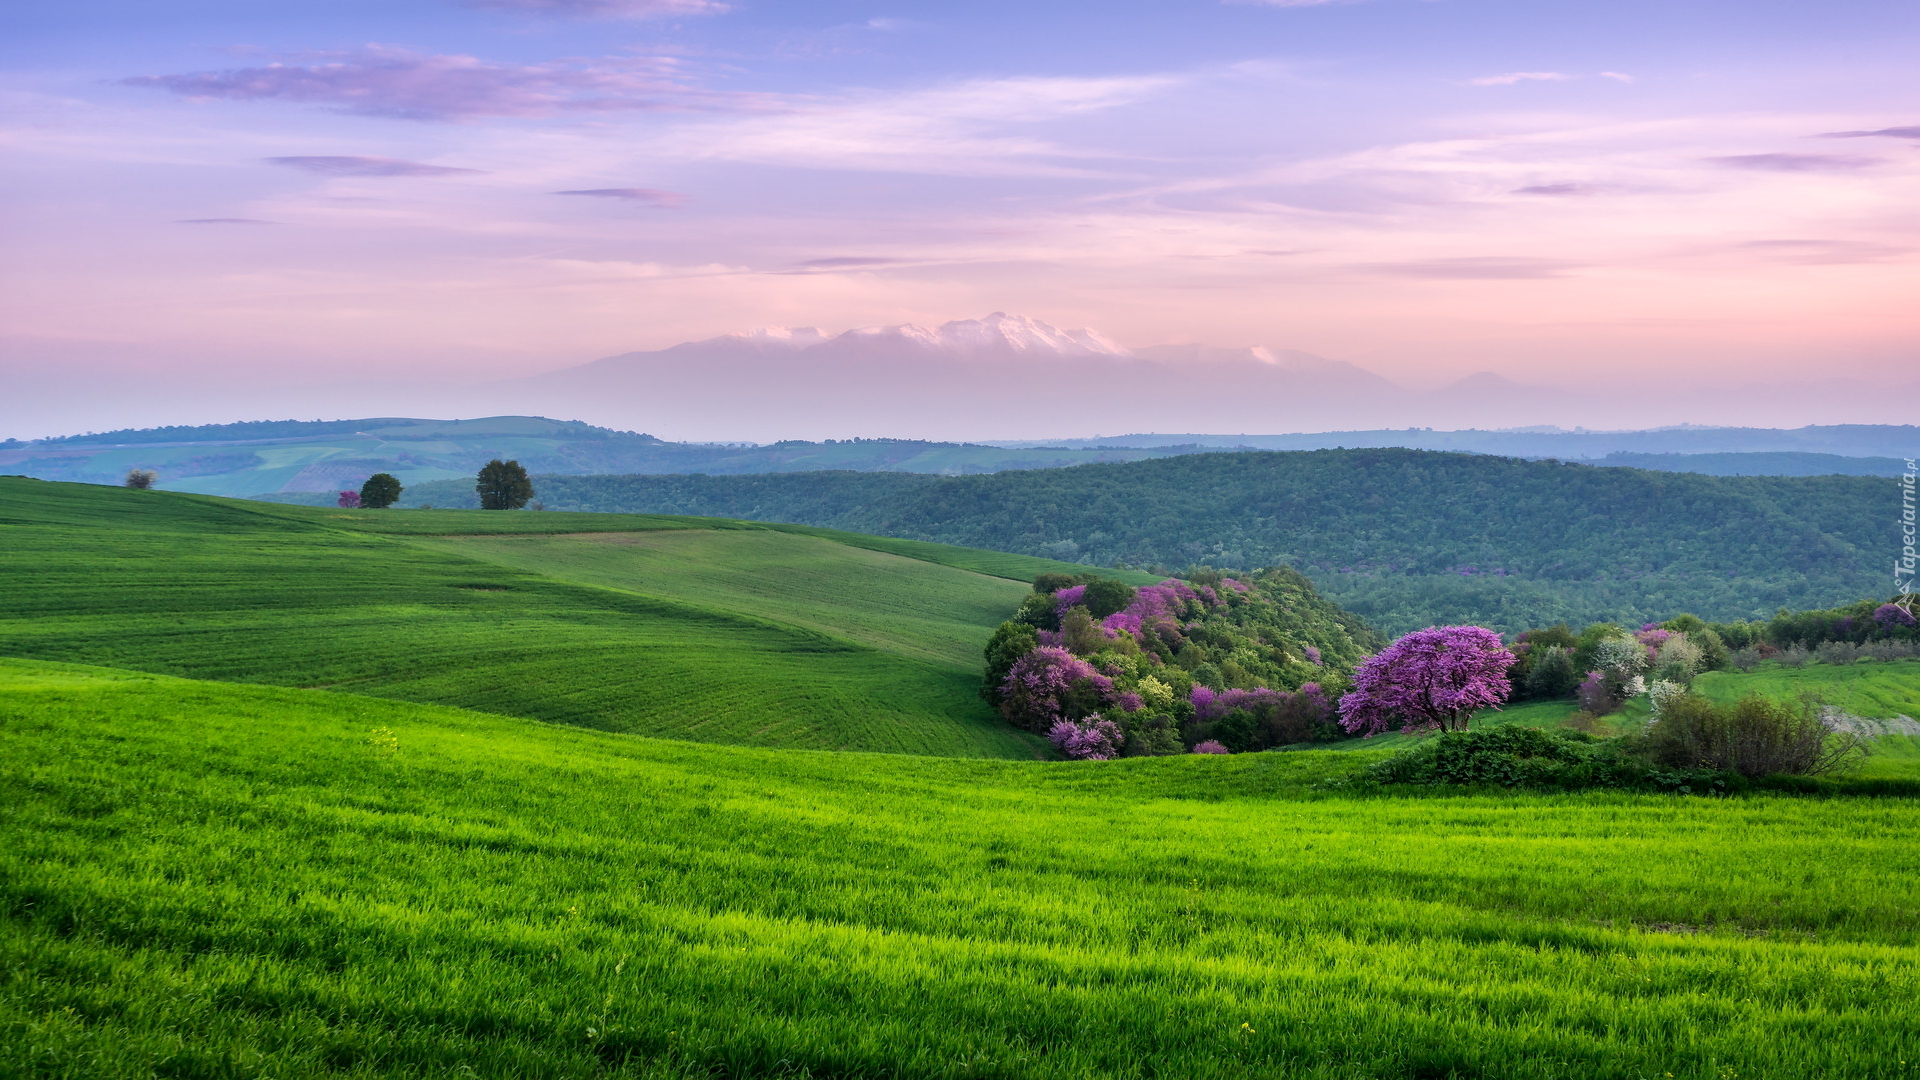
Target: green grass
[[883, 601], [216, 880], [768, 638]]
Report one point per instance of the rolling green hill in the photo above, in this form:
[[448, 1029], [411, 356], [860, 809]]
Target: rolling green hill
[[311, 461], [213, 880], [1404, 538], [698, 629]]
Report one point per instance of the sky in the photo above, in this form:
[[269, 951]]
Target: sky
[[226, 209]]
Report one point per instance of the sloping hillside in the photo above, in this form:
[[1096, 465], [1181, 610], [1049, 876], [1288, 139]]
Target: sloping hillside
[[708, 630], [1405, 538]]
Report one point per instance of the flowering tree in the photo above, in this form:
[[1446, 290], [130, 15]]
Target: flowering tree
[[1049, 685], [1092, 739], [350, 500], [1432, 678], [1893, 616], [1210, 746]]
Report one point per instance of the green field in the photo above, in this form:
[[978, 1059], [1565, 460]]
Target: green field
[[684, 627], [217, 880]]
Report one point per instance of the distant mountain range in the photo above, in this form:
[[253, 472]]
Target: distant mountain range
[[1010, 378], [309, 461]]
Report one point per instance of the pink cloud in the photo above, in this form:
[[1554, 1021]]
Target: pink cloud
[[650, 196], [364, 166], [1475, 268], [1794, 162], [1513, 77], [382, 81], [1909, 132]]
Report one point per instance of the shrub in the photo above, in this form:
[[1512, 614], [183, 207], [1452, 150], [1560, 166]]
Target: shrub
[[141, 479], [1007, 645], [1105, 596], [1209, 747], [1620, 661], [1678, 659], [1513, 756], [1551, 673], [1753, 737], [1593, 695]]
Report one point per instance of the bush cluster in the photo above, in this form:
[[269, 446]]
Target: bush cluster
[[1103, 668], [1695, 745]]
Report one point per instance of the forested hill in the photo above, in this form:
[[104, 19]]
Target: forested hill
[[1405, 538]]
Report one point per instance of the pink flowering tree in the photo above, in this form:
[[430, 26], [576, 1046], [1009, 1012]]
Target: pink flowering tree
[[350, 500], [1049, 685], [1092, 739], [1432, 679]]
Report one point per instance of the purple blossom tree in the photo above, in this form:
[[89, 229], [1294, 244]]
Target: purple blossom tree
[[350, 500], [1092, 739], [1049, 685], [1211, 746], [1890, 616], [1435, 678]]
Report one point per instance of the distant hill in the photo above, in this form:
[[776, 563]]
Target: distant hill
[[310, 461], [1404, 538], [319, 458]]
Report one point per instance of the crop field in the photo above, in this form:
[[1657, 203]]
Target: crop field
[[695, 636], [204, 879]]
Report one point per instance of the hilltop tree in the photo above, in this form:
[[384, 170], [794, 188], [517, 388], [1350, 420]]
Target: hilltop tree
[[141, 479], [380, 491], [1435, 678], [503, 485]]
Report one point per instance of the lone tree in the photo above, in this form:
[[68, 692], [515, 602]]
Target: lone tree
[[380, 491], [503, 485], [1431, 679], [141, 479]]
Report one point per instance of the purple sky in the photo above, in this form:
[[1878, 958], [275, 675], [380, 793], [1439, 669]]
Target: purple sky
[[220, 209]]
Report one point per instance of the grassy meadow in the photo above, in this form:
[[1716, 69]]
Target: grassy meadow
[[219, 880], [682, 627]]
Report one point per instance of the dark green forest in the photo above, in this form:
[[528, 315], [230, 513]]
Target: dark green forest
[[1405, 538]]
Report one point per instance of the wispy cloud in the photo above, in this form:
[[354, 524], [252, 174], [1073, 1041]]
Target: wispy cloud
[[604, 9], [649, 196], [1911, 132], [1798, 163], [380, 80], [1617, 76], [970, 128], [1560, 189], [1512, 77], [1474, 268], [223, 221], [1821, 252], [328, 165]]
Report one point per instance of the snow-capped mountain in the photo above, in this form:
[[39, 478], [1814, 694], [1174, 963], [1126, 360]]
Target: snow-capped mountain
[[1002, 376]]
